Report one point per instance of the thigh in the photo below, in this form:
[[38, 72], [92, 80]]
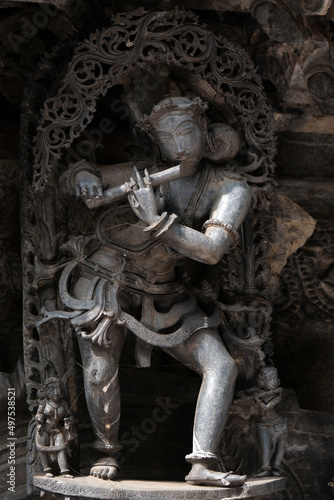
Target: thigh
[[44, 438], [92, 353], [81, 288], [59, 439], [202, 351]]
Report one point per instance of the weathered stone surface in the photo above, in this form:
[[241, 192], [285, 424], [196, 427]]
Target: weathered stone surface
[[291, 227], [305, 155], [276, 22], [305, 123], [312, 194], [312, 431], [310, 7], [90, 487], [297, 71], [303, 321]]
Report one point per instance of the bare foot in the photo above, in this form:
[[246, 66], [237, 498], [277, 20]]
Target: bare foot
[[276, 472], [200, 474], [263, 472], [48, 472], [66, 474], [105, 468]]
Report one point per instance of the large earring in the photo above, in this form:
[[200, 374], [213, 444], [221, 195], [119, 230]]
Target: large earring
[[223, 143], [209, 146]]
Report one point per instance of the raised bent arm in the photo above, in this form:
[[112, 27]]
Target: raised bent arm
[[231, 206]]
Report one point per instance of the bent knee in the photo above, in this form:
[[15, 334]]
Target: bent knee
[[231, 368], [224, 368]]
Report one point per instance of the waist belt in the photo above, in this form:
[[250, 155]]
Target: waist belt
[[97, 310], [131, 281]]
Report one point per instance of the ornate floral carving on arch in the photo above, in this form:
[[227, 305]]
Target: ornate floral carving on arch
[[140, 38]]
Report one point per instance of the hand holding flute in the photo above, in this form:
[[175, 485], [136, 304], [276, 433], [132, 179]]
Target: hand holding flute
[[89, 186]]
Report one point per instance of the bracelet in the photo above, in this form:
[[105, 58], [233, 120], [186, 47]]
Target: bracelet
[[171, 221], [81, 166], [155, 226], [232, 233], [162, 224]]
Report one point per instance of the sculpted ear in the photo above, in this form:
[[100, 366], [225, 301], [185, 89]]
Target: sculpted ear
[[223, 143]]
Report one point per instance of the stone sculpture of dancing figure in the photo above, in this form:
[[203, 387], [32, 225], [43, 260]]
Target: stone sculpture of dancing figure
[[53, 429], [272, 428], [116, 289]]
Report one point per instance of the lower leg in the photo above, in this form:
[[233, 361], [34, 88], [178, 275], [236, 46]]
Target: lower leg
[[103, 399], [43, 439], [265, 442], [45, 463], [276, 470], [213, 405], [205, 353], [62, 462]]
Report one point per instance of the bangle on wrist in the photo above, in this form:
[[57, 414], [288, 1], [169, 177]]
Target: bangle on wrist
[[162, 224]]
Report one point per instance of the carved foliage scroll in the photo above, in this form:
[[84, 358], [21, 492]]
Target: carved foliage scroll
[[135, 40]]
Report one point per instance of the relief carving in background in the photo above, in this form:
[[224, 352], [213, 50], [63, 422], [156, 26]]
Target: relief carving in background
[[307, 298]]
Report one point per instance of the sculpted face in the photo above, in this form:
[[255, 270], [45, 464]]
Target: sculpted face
[[180, 139], [270, 382], [54, 392]]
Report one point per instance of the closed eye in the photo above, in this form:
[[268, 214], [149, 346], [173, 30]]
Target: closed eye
[[185, 131], [185, 127]]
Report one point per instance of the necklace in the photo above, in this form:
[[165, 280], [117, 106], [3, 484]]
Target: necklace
[[187, 219]]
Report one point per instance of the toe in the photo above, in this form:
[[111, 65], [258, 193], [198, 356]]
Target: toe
[[95, 471], [112, 472], [104, 473]]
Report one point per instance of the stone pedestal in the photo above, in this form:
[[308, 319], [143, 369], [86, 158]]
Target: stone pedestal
[[90, 487]]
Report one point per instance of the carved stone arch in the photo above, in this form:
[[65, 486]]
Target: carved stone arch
[[224, 71]]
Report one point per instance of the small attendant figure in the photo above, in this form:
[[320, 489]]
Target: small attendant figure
[[53, 431], [272, 428]]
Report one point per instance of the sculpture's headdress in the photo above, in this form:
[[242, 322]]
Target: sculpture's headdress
[[52, 380], [195, 107], [269, 371], [222, 140]]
